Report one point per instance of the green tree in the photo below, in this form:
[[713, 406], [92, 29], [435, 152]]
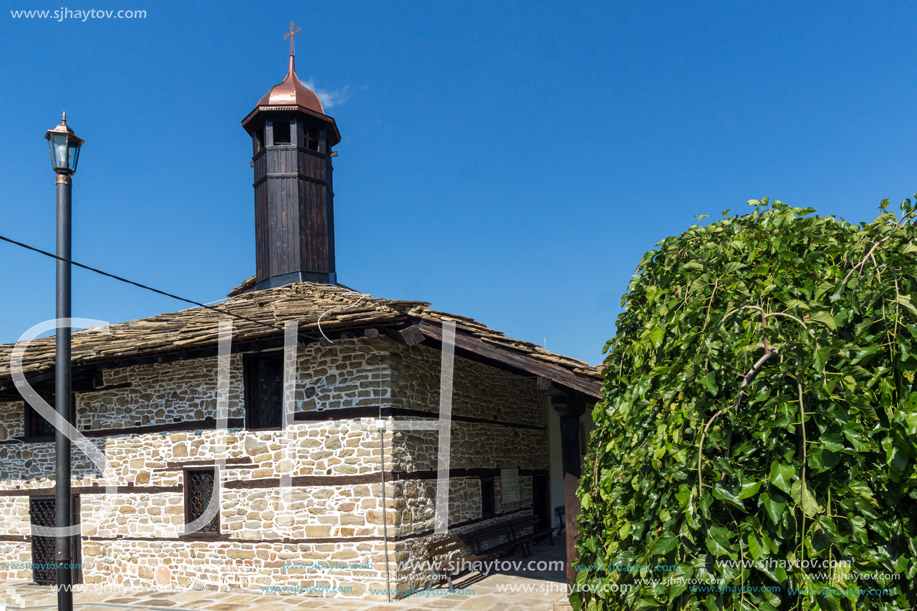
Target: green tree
[[758, 429]]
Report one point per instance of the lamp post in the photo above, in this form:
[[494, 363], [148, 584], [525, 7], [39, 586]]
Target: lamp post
[[65, 150]]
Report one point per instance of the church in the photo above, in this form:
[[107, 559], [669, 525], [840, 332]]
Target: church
[[290, 436]]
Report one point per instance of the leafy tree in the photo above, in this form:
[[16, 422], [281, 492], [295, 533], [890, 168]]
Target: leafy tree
[[759, 422]]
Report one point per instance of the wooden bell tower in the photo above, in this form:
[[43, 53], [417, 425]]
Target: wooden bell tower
[[292, 138]]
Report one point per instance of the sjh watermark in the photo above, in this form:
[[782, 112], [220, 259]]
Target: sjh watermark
[[28, 566], [443, 426], [64, 13], [327, 565], [486, 567]]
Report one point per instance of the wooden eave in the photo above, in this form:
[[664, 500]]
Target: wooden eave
[[258, 319]]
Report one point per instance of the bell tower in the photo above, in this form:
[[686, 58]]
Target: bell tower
[[292, 138]]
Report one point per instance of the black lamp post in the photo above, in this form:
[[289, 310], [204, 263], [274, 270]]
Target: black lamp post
[[65, 150]]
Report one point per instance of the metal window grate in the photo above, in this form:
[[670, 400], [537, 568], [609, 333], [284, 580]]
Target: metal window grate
[[38, 426], [41, 512], [200, 489], [264, 405], [44, 549]]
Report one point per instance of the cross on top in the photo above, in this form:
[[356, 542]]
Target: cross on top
[[290, 35]]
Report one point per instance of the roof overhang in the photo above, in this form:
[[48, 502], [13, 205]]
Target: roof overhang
[[587, 385], [466, 344]]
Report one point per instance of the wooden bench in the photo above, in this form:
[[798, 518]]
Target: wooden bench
[[454, 548], [484, 544], [494, 541], [538, 531]]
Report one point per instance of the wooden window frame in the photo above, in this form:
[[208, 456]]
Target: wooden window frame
[[312, 139], [289, 131], [249, 384], [29, 416], [198, 534]]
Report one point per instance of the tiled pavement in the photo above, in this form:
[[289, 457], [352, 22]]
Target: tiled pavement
[[536, 591]]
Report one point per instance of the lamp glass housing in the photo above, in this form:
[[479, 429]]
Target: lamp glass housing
[[65, 152]]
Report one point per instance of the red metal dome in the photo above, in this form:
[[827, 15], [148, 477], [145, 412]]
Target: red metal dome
[[291, 95], [292, 92]]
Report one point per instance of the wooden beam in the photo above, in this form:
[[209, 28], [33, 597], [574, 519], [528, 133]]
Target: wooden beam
[[207, 424], [555, 373], [347, 413], [572, 468], [409, 336]]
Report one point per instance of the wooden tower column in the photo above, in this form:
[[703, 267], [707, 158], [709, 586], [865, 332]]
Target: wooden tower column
[[292, 139]]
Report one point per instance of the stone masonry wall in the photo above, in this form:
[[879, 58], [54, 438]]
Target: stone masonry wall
[[499, 421], [135, 537], [310, 495]]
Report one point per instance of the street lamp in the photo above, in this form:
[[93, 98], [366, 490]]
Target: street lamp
[[65, 151], [65, 148]]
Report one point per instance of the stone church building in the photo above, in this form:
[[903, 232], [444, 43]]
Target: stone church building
[[313, 488]]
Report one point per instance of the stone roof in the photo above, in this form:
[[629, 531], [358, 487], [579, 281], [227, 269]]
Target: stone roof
[[259, 315]]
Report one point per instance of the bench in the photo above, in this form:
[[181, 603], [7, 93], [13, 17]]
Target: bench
[[484, 544], [538, 531], [445, 548], [495, 541]]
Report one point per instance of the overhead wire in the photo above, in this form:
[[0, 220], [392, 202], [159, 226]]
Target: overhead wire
[[323, 339]]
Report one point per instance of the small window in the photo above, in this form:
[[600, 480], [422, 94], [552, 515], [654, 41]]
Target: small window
[[264, 391], [282, 132], [311, 139], [200, 488], [488, 498], [257, 140], [36, 427], [42, 513]]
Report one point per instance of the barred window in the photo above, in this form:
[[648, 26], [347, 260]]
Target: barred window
[[264, 391], [36, 427], [200, 487], [42, 513]]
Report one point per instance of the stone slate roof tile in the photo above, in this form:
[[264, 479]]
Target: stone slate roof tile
[[262, 314]]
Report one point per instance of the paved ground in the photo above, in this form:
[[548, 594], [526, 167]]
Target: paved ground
[[534, 591]]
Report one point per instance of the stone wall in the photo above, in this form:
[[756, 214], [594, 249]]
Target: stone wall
[[11, 423], [309, 494], [135, 536], [499, 422]]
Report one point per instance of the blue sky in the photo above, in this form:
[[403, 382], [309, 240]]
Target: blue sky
[[509, 161]]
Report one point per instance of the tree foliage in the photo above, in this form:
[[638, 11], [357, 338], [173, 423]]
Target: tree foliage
[[759, 421]]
